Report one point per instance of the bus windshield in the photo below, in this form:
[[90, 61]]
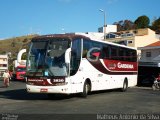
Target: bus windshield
[[47, 58]]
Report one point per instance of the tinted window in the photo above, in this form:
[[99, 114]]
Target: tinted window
[[131, 55], [75, 56], [114, 53], [105, 52], [86, 46], [110, 51], [121, 54]]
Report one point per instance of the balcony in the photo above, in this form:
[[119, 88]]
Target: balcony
[[3, 68], [3, 62]]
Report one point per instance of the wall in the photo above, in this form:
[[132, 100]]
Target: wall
[[141, 41], [155, 55]]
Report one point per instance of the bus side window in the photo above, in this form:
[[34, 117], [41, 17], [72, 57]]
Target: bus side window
[[86, 47], [121, 53], [105, 52], [133, 56], [114, 53], [128, 55], [84, 53]]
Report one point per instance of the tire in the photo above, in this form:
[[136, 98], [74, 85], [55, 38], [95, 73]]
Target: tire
[[125, 86], [86, 89]]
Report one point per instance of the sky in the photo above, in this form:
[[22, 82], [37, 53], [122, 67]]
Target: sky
[[23, 17]]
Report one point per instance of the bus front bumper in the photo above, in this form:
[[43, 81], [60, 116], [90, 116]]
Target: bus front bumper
[[48, 89]]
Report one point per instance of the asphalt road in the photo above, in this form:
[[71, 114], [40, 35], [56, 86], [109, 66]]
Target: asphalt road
[[15, 103]]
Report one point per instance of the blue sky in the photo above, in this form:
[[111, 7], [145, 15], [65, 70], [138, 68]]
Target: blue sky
[[21, 17]]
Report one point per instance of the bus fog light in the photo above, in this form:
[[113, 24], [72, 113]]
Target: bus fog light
[[65, 89]]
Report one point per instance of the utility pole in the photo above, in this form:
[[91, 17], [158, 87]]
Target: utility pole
[[104, 22]]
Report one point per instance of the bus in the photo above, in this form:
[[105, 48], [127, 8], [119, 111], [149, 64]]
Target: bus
[[71, 63]]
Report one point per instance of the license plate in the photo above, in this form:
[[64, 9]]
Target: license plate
[[43, 90]]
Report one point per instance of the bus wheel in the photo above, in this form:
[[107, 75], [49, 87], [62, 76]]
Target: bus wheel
[[125, 86], [86, 89]]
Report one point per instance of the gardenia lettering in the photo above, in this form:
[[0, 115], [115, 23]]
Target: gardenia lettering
[[130, 66]]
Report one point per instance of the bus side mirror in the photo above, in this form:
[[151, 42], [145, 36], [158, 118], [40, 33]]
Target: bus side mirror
[[68, 56]]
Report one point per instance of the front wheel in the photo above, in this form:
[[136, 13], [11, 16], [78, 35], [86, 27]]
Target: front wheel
[[86, 89]]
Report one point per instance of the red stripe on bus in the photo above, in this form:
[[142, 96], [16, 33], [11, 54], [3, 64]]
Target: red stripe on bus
[[99, 66]]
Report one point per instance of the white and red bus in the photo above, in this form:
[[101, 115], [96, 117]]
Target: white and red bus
[[70, 63]]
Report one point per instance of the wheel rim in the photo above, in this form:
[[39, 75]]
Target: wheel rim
[[87, 88], [125, 86]]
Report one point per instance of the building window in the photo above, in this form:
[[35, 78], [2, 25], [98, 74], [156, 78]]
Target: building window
[[148, 54], [130, 41], [4, 65], [135, 32]]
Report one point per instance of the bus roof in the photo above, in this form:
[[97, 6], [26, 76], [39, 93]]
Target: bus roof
[[69, 36], [72, 36]]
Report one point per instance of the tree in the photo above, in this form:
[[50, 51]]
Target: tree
[[124, 25], [142, 22], [119, 25], [156, 25], [128, 25]]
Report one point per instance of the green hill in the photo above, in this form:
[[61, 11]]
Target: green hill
[[13, 45]]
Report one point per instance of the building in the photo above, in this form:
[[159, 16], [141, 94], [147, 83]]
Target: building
[[92, 35], [150, 55], [3, 64], [149, 63], [100, 34], [134, 38], [108, 29]]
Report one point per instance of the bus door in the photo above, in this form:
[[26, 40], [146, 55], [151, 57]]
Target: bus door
[[75, 69]]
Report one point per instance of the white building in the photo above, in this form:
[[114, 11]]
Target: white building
[[149, 63], [92, 35], [108, 29], [150, 55], [3, 64], [100, 34]]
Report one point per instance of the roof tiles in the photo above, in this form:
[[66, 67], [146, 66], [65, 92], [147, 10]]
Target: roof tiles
[[154, 44]]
